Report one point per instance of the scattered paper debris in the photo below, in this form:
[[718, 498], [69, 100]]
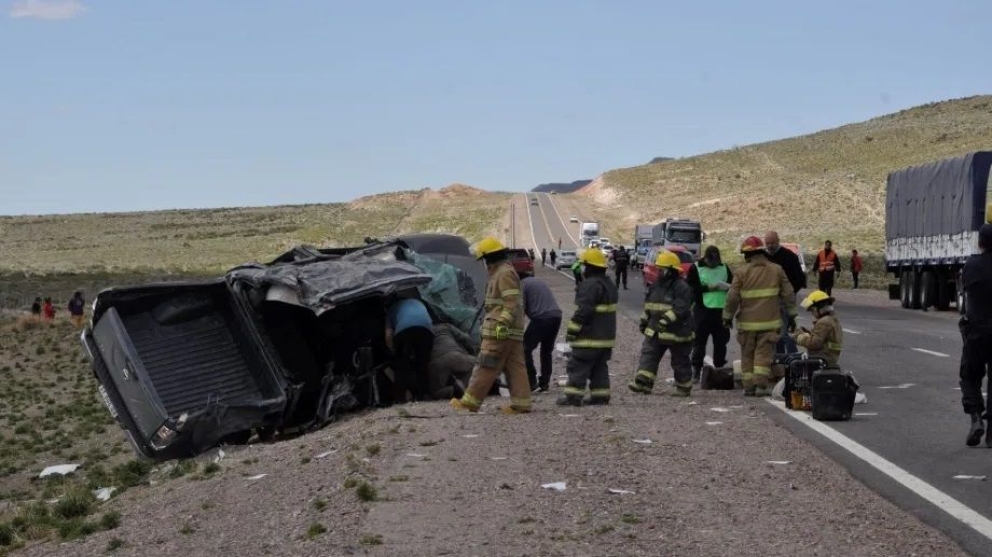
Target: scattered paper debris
[[220, 456], [900, 386], [866, 414], [569, 415], [416, 455], [499, 458], [714, 423], [721, 410], [327, 454], [693, 403], [104, 493], [557, 486], [860, 398], [563, 348], [470, 436], [963, 477], [643, 441], [504, 392], [256, 478], [621, 492], [670, 381], [780, 462], [60, 469]]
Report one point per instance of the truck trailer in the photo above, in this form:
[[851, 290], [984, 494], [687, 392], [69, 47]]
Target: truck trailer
[[932, 216], [643, 241], [588, 233]]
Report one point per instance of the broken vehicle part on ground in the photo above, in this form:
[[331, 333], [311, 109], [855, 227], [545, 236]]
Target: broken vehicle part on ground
[[275, 348]]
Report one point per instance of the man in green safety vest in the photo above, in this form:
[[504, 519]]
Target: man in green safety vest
[[710, 280]]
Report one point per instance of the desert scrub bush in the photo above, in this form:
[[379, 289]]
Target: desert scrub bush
[[366, 492]]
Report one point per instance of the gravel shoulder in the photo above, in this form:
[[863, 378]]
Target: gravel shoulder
[[465, 485]]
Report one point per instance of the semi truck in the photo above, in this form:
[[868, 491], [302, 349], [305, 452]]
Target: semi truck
[[588, 233], [932, 216], [687, 233], [643, 242]]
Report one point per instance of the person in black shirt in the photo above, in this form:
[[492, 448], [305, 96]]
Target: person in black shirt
[[621, 259], [976, 332], [789, 261]]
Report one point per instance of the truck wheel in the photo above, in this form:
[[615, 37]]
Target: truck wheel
[[904, 288], [945, 291], [915, 289], [928, 290]]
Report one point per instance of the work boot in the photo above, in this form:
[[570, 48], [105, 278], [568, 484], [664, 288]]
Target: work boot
[[638, 388], [763, 391], [511, 410], [569, 400], [750, 391], [977, 430], [457, 404], [696, 374], [680, 392]]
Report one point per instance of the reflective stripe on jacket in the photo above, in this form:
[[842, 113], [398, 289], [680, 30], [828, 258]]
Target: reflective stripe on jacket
[[668, 312], [594, 324], [759, 290], [504, 302]]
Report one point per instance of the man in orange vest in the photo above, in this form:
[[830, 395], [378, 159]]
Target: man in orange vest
[[827, 264]]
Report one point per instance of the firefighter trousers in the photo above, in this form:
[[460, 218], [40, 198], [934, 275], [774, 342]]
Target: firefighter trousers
[[589, 367], [757, 354], [652, 351], [496, 357]]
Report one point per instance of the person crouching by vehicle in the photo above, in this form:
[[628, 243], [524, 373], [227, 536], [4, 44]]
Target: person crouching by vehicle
[[502, 348], [668, 326], [710, 280], [542, 330], [77, 308], [591, 333], [410, 337], [826, 340]]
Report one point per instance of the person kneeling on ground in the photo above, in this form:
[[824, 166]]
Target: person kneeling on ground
[[826, 340], [591, 333], [410, 337], [668, 326]]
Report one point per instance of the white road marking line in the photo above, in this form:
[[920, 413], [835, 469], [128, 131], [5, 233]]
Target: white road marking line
[[902, 386], [852, 332], [547, 224], [938, 498], [932, 353], [963, 477], [866, 413], [530, 218]]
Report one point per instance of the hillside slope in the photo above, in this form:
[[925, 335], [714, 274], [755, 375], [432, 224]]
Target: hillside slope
[[216, 239], [829, 184]]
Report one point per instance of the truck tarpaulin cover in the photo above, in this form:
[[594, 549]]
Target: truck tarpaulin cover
[[939, 199]]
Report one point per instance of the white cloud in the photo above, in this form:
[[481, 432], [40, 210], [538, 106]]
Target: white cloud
[[47, 9]]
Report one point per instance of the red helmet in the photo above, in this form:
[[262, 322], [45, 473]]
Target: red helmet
[[752, 244]]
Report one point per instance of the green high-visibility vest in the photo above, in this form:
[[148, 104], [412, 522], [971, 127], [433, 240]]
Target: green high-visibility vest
[[714, 299]]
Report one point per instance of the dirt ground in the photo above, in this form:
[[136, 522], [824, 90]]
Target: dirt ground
[[695, 477]]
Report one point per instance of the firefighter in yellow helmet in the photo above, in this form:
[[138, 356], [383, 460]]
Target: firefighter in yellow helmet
[[758, 292], [826, 340], [668, 326], [502, 349], [591, 333]]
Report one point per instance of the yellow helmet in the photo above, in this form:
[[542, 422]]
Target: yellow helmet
[[668, 260], [815, 298], [594, 257], [486, 246]]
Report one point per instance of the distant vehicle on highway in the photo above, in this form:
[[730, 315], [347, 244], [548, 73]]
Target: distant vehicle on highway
[[573, 220], [566, 259], [650, 273], [533, 201], [521, 262]]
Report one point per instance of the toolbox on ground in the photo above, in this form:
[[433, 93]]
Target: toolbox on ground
[[832, 393], [799, 379]]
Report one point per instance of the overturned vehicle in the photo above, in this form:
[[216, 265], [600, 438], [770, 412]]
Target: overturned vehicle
[[280, 348]]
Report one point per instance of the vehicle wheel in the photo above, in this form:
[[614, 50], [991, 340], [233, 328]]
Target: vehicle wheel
[[904, 288], [928, 290], [945, 291], [915, 289], [239, 438]]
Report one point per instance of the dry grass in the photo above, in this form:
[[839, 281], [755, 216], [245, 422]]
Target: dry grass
[[213, 240], [829, 184]]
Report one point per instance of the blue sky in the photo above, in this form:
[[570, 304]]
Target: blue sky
[[111, 106]]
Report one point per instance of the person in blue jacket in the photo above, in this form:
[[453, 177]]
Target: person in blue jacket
[[410, 338]]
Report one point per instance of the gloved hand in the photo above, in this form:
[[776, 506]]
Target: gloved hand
[[721, 286], [728, 323], [502, 332], [792, 324], [643, 326], [802, 339]]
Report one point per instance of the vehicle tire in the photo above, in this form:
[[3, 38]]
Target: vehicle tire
[[238, 438], [945, 291], [915, 289], [904, 288], [928, 290]]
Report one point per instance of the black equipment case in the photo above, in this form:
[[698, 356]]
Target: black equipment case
[[832, 394]]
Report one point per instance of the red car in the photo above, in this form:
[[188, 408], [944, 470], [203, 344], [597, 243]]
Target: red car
[[650, 272], [521, 261]]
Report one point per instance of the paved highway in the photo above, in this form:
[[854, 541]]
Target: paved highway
[[908, 441]]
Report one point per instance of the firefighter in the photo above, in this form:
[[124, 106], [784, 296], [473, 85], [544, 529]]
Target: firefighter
[[621, 261], [502, 349], [826, 340], [668, 326], [710, 279], [758, 292], [591, 333]]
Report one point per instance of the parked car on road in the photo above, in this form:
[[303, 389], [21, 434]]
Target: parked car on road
[[650, 273], [566, 258]]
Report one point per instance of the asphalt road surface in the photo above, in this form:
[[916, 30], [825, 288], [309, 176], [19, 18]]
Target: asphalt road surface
[[549, 227], [907, 442]]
